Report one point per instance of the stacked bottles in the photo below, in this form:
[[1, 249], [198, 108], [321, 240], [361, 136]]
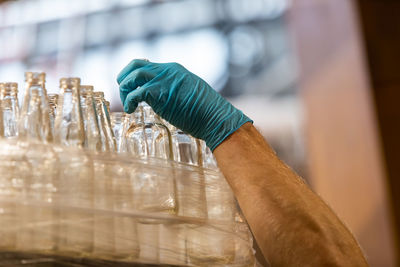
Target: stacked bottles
[[163, 202], [78, 116]]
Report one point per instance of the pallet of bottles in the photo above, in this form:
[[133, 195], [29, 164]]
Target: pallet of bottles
[[69, 202], [80, 184]]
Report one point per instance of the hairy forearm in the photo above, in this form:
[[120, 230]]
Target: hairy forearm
[[291, 224]]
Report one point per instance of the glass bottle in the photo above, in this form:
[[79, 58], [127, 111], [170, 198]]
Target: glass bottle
[[76, 187], [185, 147], [38, 222], [207, 159], [68, 126], [147, 136], [34, 121], [119, 124], [10, 108], [14, 170], [154, 190], [92, 131], [209, 244], [103, 228], [53, 100], [107, 136], [125, 227]]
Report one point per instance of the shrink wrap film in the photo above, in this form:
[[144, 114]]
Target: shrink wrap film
[[73, 207]]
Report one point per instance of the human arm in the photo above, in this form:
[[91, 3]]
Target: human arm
[[292, 225]]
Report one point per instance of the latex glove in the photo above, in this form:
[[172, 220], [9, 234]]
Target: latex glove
[[181, 98]]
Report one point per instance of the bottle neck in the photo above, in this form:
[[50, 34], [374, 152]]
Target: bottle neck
[[118, 117], [9, 90], [8, 93], [145, 114]]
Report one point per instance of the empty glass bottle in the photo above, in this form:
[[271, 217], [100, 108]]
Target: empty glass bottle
[[107, 136], [10, 108], [41, 187], [34, 121], [119, 124], [14, 170], [103, 229], [147, 136], [125, 228], [76, 184], [214, 245], [185, 147], [92, 131], [207, 159], [69, 127], [53, 100]]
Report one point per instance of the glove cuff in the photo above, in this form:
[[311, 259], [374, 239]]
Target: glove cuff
[[229, 127]]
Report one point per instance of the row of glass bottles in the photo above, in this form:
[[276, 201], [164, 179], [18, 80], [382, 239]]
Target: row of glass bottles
[[80, 117], [144, 133]]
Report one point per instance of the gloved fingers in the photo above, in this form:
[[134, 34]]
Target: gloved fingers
[[133, 65], [134, 79], [133, 99]]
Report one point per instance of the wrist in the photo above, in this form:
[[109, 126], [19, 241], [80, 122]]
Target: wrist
[[223, 130]]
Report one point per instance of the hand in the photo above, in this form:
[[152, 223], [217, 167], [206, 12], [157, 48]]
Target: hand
[[181, 98]]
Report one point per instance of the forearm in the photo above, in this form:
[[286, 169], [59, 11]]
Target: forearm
[[292, 225]]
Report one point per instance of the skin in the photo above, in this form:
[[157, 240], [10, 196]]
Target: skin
[[291, 224]]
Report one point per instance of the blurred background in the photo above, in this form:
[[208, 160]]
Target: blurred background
[[303, 70]]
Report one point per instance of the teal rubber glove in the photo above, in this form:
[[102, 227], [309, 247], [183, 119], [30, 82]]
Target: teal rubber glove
[[181, 98]]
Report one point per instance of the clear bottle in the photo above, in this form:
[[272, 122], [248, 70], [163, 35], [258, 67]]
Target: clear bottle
[[207, 159], [106, 133], [34, 121], [69, 128], [10, 109], [154, 192], [214, 245], [39, 222], [185, 147], [125, 227], [147, 136], [14, 170], [119, 124], [76, 189], [53, 101], [103, 236], [92, 131]]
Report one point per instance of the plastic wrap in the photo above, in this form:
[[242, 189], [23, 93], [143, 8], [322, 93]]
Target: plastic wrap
[[75, 208]]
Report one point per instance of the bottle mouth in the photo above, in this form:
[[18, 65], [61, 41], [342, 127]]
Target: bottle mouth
[[35, 77], [52, 97], [118, 116], [69, 83], [98, 94], [86, 90], [9, 88]]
